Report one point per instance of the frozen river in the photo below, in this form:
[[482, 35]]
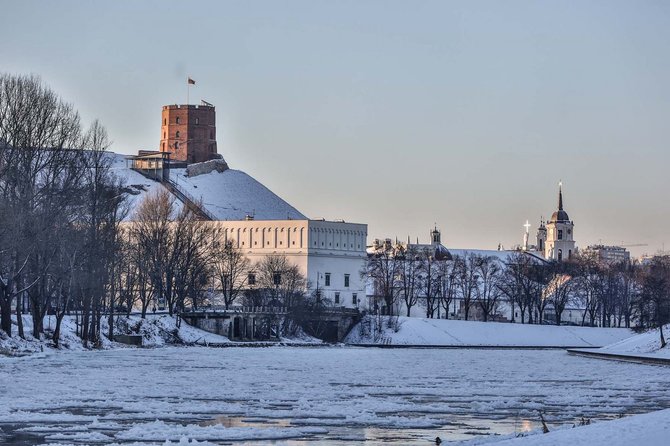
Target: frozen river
[[313, 395]]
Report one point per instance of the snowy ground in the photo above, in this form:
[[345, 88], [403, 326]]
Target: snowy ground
[[645, 345], [156, 331], [421, 331], [652, 429], [320, 395]]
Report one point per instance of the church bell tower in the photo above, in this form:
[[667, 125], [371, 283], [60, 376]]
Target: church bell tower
[[560, 244]]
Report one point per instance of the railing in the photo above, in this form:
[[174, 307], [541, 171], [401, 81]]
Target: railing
[[190, 200], [240, 309]]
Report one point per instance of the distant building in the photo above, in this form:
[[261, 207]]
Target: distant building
[[608, 254], [188, 133]]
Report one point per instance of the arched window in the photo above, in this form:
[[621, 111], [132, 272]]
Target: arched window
[[177, 134], [176, 145], [177, 119], [560, 255]]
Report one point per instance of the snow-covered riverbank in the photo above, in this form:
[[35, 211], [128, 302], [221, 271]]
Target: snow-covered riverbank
[[651, 429], [644, 345], [441, 332]]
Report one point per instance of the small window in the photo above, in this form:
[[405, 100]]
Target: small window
[[164, 134], [337, 298], [197, 121], [560, 234], [177, 120], [251, 279], [346, 280], [164, 121], [177, 134], [354, 299], [327, 279], [276, 279], [176, 144], [211, 134]]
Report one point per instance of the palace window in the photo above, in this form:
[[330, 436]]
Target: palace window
[[346, 280], [354, 299], [337, 298], [251, 279], [327, 282]]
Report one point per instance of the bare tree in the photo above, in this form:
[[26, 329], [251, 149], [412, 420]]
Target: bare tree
[[447, 285], [383, 270], [279, 281], [488, 293], [560, 286], [232, 269], [410, 267], [655, 295], [467, 280]]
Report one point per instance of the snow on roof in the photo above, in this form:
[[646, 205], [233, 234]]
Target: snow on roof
[[227, 195], [500, 255]]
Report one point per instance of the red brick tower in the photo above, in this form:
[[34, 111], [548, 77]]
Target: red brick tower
[[188, 132]]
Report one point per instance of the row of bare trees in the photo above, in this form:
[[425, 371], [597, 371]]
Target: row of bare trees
[[434, 280], [59, 210], [539, 292], [171, 258]]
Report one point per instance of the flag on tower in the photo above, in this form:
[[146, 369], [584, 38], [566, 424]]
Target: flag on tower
[[191, 81]]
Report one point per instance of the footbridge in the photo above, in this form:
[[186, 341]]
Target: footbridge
[[264, 323]]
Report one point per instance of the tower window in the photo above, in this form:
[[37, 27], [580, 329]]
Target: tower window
[[177, 134], [560, 255], [177, 119], [164, 121], [176, 145], [211, 134], [560, 234], [197, 121]]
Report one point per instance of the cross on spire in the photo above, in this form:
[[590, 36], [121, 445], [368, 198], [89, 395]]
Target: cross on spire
[[560, 195]]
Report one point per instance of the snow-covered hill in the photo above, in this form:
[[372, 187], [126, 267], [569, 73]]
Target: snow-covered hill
[[427, 332], [232, 195], [228, 195]]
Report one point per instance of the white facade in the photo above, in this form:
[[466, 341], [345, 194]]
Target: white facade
[[330, 254]]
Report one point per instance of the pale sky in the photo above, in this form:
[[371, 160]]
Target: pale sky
[[395, 114]]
